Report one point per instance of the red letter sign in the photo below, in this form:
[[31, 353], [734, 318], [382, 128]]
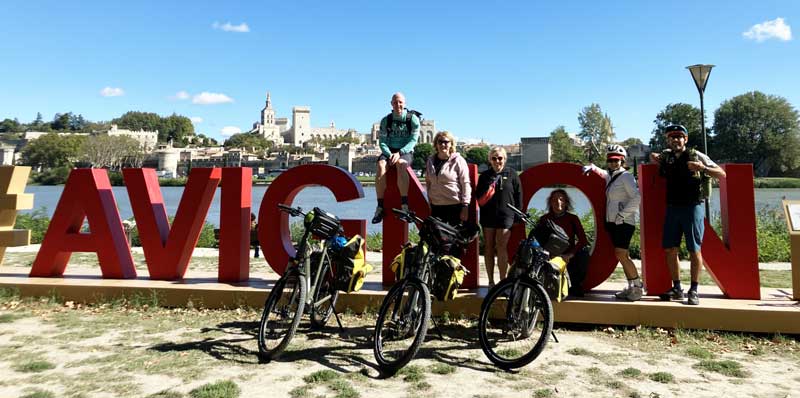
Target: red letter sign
[[234, 224], [602, 261], [733, 264], [273, 230], [168, 250], [87, 195]]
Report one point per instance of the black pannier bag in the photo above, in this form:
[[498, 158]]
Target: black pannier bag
[[442, 233], [322, 224], [552, 237]]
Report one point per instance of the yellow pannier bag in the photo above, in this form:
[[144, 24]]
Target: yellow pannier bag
[[559, 267], [351, 266], [448, 277], [404, 261]]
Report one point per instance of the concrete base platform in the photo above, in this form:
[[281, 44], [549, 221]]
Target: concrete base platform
[[776, 312]]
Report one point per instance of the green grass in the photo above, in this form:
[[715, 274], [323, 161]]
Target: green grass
[[724, 367], [34, 366], [776, 182], [321, 376], [166, 394], [581, 352], [343, 389], [699, 353], [7, 318], [412, 374], [509, 353], [301, 391], [630, 373], [442, 368], [662, 377], [543, 393], [220, 389], [37, 393]]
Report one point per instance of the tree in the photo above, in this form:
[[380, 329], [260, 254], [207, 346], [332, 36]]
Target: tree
[[139, 121], [629, 142], [39, 121], [596, 130], [9, 126], [52, 150], [77, 122], [684, 114], [478, 155], [252, 142], [760, 129], [564, 150], [113, 152], [421, 154], [61, 121], [176, 128]]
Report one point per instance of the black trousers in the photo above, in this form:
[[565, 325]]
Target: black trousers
[[578, 267]]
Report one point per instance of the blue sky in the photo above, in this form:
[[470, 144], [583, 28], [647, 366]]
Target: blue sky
[[481, 70]]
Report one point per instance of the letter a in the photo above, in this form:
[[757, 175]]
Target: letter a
[[87, 195]]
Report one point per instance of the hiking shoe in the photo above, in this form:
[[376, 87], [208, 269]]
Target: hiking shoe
[[692, 298], [672, 294], [378, 217], [630, 293]]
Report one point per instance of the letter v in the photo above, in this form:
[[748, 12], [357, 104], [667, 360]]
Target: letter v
[[167, 251]]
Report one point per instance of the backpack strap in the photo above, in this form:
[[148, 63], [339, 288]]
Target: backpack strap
[[389, 123], [612, 179]]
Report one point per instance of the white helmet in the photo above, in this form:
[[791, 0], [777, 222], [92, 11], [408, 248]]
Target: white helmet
[[616, 151]]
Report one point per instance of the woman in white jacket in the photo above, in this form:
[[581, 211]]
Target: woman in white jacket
[[622, 205]]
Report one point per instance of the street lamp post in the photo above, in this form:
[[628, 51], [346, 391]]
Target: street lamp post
[[700, 74]]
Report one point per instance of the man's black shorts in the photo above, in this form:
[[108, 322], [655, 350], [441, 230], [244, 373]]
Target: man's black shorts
[[408, 157]]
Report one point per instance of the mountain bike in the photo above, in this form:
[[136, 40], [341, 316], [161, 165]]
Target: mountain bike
[[516, 318], [406, 310], [310, 270]]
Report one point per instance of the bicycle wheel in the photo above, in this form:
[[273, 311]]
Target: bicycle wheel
[[515, 323], [282, 312], [402, 325], [325, 294]]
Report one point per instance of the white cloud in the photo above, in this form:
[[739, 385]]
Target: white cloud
[[206, 98], [112, 92], [228, 131], [181, 95], [196, 119], [775, 29], [227, 27]]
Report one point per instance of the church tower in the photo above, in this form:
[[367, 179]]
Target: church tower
[[268, 114]]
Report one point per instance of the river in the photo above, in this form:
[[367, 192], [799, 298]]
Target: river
[[47, 197]]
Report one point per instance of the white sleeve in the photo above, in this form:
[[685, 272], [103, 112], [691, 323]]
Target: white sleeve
[[632, 205], [706, 160]]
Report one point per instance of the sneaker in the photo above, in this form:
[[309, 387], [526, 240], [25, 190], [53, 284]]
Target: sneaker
[[672, 294], [630, 293], [378, 217], [692, 298]]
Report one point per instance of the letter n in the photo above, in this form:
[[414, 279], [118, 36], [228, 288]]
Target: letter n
[[87, 195]]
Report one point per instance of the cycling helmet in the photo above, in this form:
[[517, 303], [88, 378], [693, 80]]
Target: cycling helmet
[[615, 151], [676, 129]]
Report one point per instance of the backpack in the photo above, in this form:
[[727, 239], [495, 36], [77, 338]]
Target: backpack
[[409, 127], [551, 236]]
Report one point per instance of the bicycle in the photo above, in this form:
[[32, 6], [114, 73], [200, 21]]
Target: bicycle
[[406, 310], [309, 271], [516, 316]]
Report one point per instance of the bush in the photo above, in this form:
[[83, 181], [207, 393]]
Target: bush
[[37, 222], [54, 176]]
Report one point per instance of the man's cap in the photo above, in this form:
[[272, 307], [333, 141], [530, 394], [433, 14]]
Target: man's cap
[[676, 129]]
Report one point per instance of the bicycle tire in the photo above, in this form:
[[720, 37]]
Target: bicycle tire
[[539, 312], [401, 327], [327, 287], [281, 307]]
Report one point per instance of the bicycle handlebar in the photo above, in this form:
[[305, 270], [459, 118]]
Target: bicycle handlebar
[[293, 211], [525, 217], [407, 216]]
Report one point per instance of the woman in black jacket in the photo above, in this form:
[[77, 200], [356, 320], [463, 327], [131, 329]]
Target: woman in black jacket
[[497, 187]]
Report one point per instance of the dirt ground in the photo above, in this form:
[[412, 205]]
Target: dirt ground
[[129, 349], [133, 348]]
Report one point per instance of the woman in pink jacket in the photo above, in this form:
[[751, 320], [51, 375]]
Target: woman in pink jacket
[[447, 181]]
